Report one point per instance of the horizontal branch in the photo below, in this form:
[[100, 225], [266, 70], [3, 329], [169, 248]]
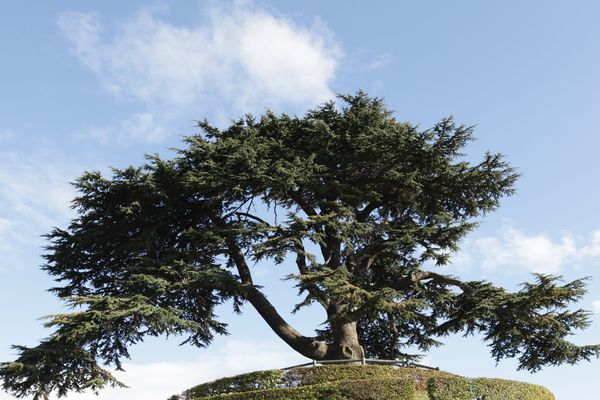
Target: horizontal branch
[[363, 214], [254, 217], [418, 276]]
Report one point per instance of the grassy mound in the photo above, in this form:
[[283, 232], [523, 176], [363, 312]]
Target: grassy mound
[[357, 382]]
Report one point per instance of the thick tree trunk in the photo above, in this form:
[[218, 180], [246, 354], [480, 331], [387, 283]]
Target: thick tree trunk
[[345, 344], [345, 335]]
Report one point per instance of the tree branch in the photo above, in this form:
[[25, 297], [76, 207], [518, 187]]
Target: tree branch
[[254, 217], [303, 269], [368, 256], [297, 197], [417, 276], [326, 250], [363, 214], [308, 347]]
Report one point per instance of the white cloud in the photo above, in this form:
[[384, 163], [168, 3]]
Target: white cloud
[[158, 381], [596, 306], [243, 57], [35, 187], [592, 249], [35, 195], [380, 61], [140, 127], [536, 253], [513, 249]]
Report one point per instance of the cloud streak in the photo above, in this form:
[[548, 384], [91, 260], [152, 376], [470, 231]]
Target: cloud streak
[[139, 127], [35, 195], [513, 250], [246, 57]]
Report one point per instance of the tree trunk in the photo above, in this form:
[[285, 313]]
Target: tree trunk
[[345, 345]]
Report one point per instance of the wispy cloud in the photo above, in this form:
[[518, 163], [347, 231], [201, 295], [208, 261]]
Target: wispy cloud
[[158, 381], [513, 249], [35, 195], [140, 127], [243, 57], [380, 61]]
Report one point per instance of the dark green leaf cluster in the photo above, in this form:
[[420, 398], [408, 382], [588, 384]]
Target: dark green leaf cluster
[[54, 365], [531, 324]]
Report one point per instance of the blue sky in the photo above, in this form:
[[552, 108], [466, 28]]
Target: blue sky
[[97, 84]]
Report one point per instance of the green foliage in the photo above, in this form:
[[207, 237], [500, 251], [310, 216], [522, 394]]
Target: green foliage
[[499, 389], [34, 371], [458, 388], [333, 373], [273, 379], [451, 388], [361, 202], [362, 389], [258, 380], [363, 382], [531, 323]]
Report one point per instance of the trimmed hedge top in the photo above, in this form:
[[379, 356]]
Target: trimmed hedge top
[[362, 389], [276, 379], [458, 388], [358, 382]]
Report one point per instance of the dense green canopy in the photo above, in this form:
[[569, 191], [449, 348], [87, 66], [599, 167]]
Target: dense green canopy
[[364, 205]]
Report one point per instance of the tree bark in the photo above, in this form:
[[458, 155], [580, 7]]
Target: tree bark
[[307, 346], [345, 345], [345, 335]]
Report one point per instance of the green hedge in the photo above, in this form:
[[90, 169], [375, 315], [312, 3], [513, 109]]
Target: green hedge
[[458, 388], [258, 380], [450, 388], [262, 380], [500, 389], [332, 373], [358, 382], [363, 389]]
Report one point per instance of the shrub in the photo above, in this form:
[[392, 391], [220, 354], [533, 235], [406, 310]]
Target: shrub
[[263, 380], [449, 388], [364, 389], [358, 382], [258, 380], [458, 388], [332, 373], [500, 389]]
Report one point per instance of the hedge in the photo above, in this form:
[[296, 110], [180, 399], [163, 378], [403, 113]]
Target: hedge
[[258, 380], [458, 388], [358, 382], [362, 389], [332, 373], [262, 380], [451, 388], [500, 389]]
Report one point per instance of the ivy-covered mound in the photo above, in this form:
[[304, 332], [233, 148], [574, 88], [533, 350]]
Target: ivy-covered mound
[[357, 382]]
